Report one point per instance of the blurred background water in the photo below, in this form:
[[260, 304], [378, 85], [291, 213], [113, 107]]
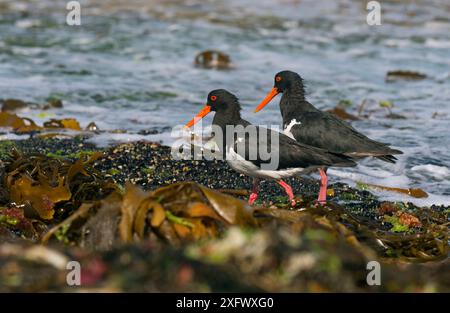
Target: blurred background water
[[130, 66]]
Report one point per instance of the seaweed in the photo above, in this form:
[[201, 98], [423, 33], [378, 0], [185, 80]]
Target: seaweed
[[46, 186], [78, 212], [177, 213]]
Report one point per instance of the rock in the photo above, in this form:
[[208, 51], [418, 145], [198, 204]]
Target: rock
[[53, 104], [92, 127], [213, 59], [11, 105], [394, 76]]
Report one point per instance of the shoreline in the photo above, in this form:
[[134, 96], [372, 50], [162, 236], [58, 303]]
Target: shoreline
[[336, 240]]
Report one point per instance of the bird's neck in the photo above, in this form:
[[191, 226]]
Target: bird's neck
[[293, 102], [296, 90], [224, 118]]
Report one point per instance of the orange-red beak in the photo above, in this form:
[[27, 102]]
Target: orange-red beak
[[203, 112], [267, 99]]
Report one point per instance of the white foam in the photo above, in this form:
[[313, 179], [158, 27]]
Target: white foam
[[438, 172], [440, 44], [362, 174], [395, 196], [106, 139]]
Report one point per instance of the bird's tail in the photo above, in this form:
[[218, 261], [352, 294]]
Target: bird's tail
[[387, 158], [340, 160]]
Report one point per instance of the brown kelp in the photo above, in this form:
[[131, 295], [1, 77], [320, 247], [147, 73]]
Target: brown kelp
[[187, 237]]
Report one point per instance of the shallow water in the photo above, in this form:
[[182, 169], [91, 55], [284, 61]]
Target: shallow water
[[130, 66]]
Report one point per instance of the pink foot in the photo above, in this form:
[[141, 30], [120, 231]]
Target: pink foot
[[254, 194], [288, 190], [323, 187], [252, 198]]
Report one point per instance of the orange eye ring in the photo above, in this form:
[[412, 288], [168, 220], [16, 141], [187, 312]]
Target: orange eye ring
[[278, 78], [213, 98]]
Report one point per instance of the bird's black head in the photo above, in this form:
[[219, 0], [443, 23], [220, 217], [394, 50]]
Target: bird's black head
[[283, 81], [220, 101]]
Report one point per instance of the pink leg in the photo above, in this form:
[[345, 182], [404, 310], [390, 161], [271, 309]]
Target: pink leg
[[323, 187], [288, 190], [254, 194]]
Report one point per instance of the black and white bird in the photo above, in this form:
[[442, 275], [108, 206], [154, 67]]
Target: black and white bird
[[309, 125], [243, 150]]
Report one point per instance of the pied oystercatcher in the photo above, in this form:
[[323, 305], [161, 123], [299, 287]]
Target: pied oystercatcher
[[293, 157], [308, 125]]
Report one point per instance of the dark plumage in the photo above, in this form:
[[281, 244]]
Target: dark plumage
[[317, 128], [242, 151]]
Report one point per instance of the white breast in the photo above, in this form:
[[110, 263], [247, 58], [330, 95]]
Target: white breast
[[240, 165], [287, 129]]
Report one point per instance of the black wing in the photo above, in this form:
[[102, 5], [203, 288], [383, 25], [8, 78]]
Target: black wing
[[323, 130], [289, 153]]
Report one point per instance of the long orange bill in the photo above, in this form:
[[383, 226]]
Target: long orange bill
[[203, 112], [267, 99]]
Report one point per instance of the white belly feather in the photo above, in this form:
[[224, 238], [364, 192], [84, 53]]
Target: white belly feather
[[240, 165]]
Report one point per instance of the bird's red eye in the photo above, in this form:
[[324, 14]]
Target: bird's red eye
[[213, 98], [278, 78]]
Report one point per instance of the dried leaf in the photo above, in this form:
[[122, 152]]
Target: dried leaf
[[233, 211], [131, 201], [199, 209], [158, 215], [157, 218], [181, 230], [40, 195], [81, 212], [68, 123]]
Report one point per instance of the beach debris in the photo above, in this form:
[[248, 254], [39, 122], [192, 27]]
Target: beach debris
[[40, 183], [388, 105], [176, 235], [10, 105], [439, 115], [408, 219], [53, 103], [176, 213], [26, 125], [340, 110], [40, 195], [67, 123], [213, 59], [387, 208], [345, 103], [92, 127], [19, 124], [393, 76], [343, 114], [412, 192]]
